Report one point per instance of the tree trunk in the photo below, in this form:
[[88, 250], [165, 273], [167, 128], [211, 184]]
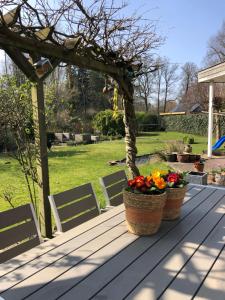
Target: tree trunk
[[146, 104], [158, 97], [130, 126], [165, 99]]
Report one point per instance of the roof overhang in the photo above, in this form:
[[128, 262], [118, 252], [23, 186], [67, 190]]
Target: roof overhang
[[213, 74]]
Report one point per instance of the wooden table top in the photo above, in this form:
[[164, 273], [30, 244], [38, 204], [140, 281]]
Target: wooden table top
[[101, 260]]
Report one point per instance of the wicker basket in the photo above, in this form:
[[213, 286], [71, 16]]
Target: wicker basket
[[175, 197], [143, 212]]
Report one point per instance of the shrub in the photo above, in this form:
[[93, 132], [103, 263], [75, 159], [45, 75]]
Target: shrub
[[107, 124], [188, 139], [147, 122]]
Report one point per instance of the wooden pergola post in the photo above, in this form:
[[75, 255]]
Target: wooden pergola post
[[37, 92]]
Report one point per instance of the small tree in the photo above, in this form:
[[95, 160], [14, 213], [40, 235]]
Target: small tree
[[16, 119]]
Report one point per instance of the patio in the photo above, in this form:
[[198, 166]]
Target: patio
[[101, 260]]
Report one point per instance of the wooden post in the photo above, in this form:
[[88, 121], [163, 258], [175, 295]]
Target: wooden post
[[37, 92]]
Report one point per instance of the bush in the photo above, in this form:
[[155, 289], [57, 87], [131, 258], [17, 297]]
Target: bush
[[192, 124], [188, 139], [107, 124], [148, 122]]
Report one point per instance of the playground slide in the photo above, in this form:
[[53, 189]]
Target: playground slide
[[219, 143]]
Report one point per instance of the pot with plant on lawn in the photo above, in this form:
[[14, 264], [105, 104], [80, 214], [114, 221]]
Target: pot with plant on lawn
[[144, 199], [176, 189]]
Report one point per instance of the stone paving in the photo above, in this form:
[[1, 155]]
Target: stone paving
[[210, 163]]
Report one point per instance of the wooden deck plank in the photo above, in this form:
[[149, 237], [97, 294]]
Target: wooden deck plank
[[189, 261], [122, 285], [36, 281], [106, 272], [44, 248], [16, 276], [214, 285]]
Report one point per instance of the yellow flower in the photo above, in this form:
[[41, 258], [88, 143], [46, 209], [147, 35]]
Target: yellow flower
[[163, 172], [160, 183], [156, 175]]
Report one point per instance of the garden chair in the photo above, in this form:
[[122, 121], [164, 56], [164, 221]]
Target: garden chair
[[112, 186], [73, 207], [19, 231]]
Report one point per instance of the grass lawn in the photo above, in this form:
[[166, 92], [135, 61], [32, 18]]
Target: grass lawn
[[71, 166]]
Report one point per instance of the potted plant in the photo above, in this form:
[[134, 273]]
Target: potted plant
[[144, 199], [199, 165], [176, 189], [170, 152]]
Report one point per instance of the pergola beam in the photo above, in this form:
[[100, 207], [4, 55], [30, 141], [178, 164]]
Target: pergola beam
[[28, 45], [21, 61]]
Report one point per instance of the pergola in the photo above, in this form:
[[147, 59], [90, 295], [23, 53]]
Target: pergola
[[211, 75]]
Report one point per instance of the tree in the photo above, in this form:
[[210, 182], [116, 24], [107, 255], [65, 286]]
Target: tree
[[169, 75], [16, 120], [216, 48], [188, 76], [144, 84]]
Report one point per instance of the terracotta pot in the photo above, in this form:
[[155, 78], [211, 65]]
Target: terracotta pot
[[174, 201], [171, 157], [143, 212], [199, 167], [183, 158]]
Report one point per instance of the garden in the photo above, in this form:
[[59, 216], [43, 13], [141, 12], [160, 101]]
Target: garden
[[71, 166]]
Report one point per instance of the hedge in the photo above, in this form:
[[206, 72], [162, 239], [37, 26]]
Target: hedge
[[147, 121], [192, 124]]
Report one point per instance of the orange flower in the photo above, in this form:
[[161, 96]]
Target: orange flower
[[148, 178], [160, 183]]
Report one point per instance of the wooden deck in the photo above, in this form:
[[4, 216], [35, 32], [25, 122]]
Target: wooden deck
[[101, 260]]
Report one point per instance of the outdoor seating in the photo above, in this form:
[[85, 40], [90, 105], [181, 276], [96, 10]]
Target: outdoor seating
[[73, 207], [19, 231], [112, 186]]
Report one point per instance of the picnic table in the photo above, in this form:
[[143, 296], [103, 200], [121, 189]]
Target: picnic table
[[101, 260]]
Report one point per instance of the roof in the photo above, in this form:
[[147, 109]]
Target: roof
[[213, 74]]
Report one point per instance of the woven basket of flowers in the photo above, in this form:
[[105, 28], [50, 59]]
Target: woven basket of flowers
[[144, 199], [176, 190]]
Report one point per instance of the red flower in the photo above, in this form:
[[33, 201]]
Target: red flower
[[131, 182], [173, 177]]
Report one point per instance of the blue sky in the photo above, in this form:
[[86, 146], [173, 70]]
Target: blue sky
[[187, 24]]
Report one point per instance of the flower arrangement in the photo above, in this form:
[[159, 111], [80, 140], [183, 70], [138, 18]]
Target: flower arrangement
[[155, 183], [175, 179]]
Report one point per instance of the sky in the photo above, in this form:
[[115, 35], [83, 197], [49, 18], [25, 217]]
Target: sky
[[186, 24]]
